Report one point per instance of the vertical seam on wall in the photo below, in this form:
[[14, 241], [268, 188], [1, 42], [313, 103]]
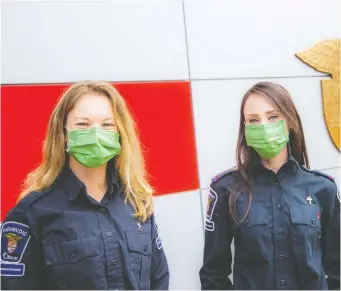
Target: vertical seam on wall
[[191, 96], [186, 39]]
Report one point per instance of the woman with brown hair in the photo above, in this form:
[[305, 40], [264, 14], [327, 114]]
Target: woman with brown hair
[[85, 217], [284, 218]]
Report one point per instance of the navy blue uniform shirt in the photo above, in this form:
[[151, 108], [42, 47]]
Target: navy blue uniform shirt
[[64, 239], [289, 240]]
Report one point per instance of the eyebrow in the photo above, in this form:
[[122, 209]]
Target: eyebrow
[[267, 112], [272, 111], [105, 118]]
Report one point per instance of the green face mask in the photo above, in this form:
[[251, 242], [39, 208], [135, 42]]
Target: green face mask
[[268, 140], [93, 147]]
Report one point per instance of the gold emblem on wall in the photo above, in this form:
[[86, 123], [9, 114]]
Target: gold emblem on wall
[[325, 57]]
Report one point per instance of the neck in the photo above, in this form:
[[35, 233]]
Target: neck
[[93, 178], [277, 162]]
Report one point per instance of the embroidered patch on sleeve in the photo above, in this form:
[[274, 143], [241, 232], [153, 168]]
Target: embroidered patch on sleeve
[[158, 239], [12, 269], [14, 239], [212, 201]]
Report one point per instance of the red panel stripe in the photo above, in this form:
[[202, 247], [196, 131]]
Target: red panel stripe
[[163, 112]]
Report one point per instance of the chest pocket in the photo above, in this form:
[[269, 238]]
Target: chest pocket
[[252, 236], [140, 251], [306, 219], [306, 228], [72, 263]]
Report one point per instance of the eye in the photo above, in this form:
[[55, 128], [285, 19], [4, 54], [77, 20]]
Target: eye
[[82, 124], [108, 125], [273, 117], [253, 120]]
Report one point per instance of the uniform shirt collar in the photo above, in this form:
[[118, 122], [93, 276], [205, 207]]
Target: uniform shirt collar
[[258, 169], [74, 187]]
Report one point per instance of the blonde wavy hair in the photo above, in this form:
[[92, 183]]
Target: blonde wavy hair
[[130, 163]]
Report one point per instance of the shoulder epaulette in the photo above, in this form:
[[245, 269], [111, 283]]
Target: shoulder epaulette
[[319, 173], [223, 174], [26, 202]]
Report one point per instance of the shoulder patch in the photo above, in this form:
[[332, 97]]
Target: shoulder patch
[[14, 240], [211, 203], [222, 174], [12, 269], [158, 240]]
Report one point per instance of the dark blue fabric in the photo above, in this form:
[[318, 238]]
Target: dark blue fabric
[[79, 243], [289, 240]]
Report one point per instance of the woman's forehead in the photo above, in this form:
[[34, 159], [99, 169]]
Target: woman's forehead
[[92, 105], [258, 103]]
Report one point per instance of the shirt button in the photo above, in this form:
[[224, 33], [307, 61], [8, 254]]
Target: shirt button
[[282, 282], [281, 256], [114, 262], [72, 256], [279, 205], [109, 233]]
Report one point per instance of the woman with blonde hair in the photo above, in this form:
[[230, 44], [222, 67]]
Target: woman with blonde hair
[[85, 217]]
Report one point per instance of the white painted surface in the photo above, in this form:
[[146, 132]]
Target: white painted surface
[[216, 106], [259, 39], [76, 41], [180, 224]]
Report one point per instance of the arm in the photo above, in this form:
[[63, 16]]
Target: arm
[[331, 239], [214, 274], [159, 277], [20, 254]]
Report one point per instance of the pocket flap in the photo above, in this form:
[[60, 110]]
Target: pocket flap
[[66, 252], [139, 242], [258, 215], [306, 214]]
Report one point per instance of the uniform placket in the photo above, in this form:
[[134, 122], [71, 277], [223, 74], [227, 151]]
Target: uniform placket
[[279, 234], [113, 260]]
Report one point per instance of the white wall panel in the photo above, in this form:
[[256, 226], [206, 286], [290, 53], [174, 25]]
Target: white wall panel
[[216, 106], [247, 38], [180, 224], [75, 41]]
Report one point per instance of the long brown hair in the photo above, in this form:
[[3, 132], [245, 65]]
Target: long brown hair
[[130, 163], [245, 154]]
